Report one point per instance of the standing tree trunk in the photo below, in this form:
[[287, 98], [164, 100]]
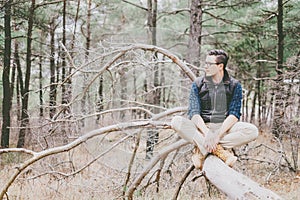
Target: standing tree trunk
[[64, 63], [85, 96], [279, 101], [53, 90], [297, 63], [100, 100], [25, 92], [41, 77], [65, 84], [13, 71], [155, 94], [19, 85], [163, 83], [6, 103], [74, 32], [134, 113], [72, 46], [253, 107], [123, 83], [194, 47]]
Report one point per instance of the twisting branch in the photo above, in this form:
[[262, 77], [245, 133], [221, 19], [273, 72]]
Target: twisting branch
[[179, 186], [154, 161], [136, 146], [38, 156], [90, 162], [121, 52]]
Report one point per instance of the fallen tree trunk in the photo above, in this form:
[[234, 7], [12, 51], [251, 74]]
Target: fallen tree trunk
[[234, 184]]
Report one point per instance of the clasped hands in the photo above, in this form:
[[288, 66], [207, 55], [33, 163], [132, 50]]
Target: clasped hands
[[211, 141]]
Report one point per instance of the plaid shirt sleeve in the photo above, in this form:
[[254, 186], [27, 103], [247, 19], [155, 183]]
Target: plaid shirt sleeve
[[236, 102], [194, 101]]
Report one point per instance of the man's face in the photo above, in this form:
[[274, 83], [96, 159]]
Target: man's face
[[211, 66]]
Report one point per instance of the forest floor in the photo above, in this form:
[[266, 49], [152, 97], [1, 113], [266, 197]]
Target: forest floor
[[105, 178]]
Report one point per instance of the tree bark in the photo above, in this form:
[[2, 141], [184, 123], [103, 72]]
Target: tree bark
[[279, 101], [6, 103], [85, 97], [124, 93], [253, 107], [53, 90], [13, 70], [155, 91], [194, 46], [25, 92], [74, 32], [100, 101], [41, 77], [64, 99], [19, 85], [259, 83], [66, 87]]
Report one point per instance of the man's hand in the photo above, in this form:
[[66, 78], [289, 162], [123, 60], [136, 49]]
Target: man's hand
[[210, 141]]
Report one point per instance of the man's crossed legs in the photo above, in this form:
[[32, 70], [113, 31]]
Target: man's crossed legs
[[240, 133]]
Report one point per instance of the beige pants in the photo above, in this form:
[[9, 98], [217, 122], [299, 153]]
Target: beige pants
[[239, 134]]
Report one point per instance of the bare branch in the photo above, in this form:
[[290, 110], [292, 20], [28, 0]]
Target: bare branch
[[136, 5], [241, 25], [173, 12], [136, 146], [169, 112], [38, 156], [19, 150], [120, 53], [48, 3], [153, 162], [179, 186]]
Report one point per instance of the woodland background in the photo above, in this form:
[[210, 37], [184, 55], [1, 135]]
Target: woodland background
[[89, 87]]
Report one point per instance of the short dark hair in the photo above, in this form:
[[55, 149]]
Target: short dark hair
[[222, 56]]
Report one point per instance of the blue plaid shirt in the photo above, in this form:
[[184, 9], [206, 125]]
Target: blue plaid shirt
[[234, 106]]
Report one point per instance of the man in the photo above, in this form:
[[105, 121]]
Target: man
[[214, 113]]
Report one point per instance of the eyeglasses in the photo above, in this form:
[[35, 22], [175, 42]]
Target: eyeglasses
[[209, 64]]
